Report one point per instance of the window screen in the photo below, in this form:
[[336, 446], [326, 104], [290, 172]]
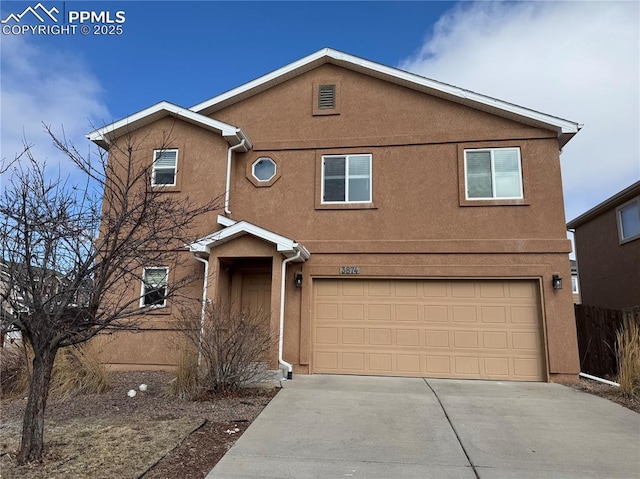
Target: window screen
[[493, 173], [347, 179], [164, 167]]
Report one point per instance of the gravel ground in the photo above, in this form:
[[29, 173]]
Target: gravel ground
[[162, 436], [611, 393]]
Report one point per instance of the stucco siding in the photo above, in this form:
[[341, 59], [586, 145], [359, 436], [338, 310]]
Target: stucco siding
[[419, 225]]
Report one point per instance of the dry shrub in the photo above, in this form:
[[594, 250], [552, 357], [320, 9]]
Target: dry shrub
[[232, 346], [628, 352], [14, 376], [185, 384], [77, 370]]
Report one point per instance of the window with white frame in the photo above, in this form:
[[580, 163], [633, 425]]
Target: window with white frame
[[346, 179], [154, 287], [165, 165], [493, 173], [574, 283], [264, 169], [629, 220]]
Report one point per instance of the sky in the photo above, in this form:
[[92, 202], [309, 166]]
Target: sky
[[576, 60]]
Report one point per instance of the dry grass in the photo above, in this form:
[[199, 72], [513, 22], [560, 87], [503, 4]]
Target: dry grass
[[185, 385], [96, 448], [14, 377], [628, 352], [77, 370]]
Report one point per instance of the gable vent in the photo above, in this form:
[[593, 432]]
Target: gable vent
[[326, 97]]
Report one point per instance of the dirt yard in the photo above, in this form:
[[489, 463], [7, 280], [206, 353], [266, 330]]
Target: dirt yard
[[152, 435]]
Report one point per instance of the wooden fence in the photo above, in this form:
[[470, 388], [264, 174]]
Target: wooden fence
[[597, 337]]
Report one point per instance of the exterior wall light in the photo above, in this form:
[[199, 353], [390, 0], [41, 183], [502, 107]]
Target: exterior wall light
[[298, 280], [556, 281]]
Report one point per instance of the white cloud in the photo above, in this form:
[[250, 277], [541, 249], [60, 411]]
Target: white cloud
[[575, 60], [42, 85]]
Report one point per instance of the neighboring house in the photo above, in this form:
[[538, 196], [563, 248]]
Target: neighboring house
[[397, 225], [607, 239], [8, 335], [575, 281], [12, 298]]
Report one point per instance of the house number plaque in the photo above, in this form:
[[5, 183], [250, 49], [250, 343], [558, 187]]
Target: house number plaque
[[349, 269]]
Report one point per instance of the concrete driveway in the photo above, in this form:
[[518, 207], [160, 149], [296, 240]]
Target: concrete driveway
[[374, 427]]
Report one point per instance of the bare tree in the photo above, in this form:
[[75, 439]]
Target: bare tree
[[73, 253]]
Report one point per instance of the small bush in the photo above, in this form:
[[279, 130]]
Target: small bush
[[232, 345], [628, 352]]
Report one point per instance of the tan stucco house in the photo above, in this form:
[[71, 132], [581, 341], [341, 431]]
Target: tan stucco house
[[391, 224]]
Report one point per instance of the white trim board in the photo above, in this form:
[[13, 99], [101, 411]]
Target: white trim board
[[103, 136], [233, 229]]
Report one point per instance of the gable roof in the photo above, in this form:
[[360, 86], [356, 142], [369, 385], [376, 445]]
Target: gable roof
[[565, 129], [103, 136], [608, 204], [199, 114], [234, 229]]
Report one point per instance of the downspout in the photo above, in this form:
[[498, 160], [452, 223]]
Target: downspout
[[281, 335], [203, 311], [595, 378], [226, 194]]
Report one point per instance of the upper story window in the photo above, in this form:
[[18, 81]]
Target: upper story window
[[493, 173], [346, 179], [165, 166], [629, 220], [264, 169], [154, 287]]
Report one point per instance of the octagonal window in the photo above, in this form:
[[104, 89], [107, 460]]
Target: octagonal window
[[264, 169]]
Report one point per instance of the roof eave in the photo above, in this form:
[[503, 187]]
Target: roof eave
[[236, 137], [103, 136], [616, 200], [565, 135], [564, 128], [233, 229]]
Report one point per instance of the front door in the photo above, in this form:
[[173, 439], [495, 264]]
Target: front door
[[256, 293]]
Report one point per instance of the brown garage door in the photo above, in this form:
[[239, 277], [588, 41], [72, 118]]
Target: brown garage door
[[488, 329]]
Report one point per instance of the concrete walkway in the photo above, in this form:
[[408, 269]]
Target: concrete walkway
[[373, 427]]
